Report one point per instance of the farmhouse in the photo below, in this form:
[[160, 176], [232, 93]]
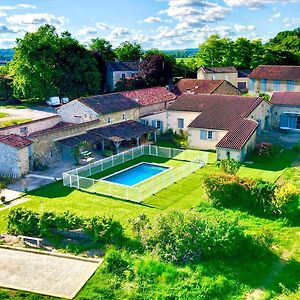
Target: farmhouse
[[200, 86], [117, 70], [269, 79], [15, 155], [226, 123], [286, 110], [229, 74]]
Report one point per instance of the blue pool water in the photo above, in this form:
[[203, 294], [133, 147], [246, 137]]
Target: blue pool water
[[136, 174]]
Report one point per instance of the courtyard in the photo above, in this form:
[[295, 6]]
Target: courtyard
[[52, 275]]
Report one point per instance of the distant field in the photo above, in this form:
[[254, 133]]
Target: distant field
[[13, 122]]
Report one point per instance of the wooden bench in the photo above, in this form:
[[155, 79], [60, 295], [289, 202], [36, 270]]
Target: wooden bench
[[37, 240]]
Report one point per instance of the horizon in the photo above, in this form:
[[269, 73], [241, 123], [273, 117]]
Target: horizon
[[162, 24]]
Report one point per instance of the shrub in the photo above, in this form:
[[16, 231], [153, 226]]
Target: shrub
[[23, 221], [60, 221], [115, 263], [286, 200], [188, 237], [181, 139], [139, 224], [104, 229], [229, 166], [263, 149]]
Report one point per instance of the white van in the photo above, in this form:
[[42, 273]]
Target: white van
[[53, 101]]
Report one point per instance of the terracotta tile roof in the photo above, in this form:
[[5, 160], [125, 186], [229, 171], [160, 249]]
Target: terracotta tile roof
[[197, 86], [109, 103], [116, 66], [220, 112], [74, 141], [238, 136], [219, 69], [150, 95], [122, 131], [286, 98], [15, 141], [276, 72]]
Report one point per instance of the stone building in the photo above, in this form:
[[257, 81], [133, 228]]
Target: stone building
[[229, 74], [15, 155], [201, 86]]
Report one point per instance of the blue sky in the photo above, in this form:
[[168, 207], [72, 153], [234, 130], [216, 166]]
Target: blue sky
[[163, 24]]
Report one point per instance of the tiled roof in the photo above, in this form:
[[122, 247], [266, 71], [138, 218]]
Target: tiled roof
[[74, 141], [15, 141], [123, 65], [122, 131], [109, 103], [276, 72], [198, 86], [150, 95], [239, 136], [286, 98], [243, 73], [219, 69], [219, 112]]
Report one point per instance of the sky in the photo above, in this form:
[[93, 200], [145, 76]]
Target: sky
[[162, 24]]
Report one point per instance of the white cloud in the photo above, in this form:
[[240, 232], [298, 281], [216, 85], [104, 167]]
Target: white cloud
[[26, 6], [103, 26], [275, 16], [255, 3], [35, 19], [87, 31], [241, 28], [119, 33], [4, 29], [151, 20], [18, 6]]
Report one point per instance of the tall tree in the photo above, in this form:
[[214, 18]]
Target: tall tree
[[155, 70], [243, 51], [46, 64], [129, 51], [103, 47]]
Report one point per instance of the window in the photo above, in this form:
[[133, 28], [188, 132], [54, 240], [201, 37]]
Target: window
[[213, 77], [210, 135], [263, 85], [123, 117], [206, 135], [109, 120], [51, 153], [251, 85], [228, 154], [290, 85], [158, 124], [276, 85], [24, 130], [180, 123], [123, 76]]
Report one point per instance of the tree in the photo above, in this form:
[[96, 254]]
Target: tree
[[33, 67], [5, 87], [155, 70], [77, 69], [103, 47], [129, 51], [216, 51], [46, 64], [243, 51]]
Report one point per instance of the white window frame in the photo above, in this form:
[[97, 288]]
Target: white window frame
[[208, 135]]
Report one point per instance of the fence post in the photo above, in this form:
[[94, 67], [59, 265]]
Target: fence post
[[170, 153], [123, 155], [94, 191], [78, 186], [90, 171], [71, 185]]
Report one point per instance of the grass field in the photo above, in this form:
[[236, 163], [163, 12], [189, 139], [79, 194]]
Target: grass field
[[274, 277], [3, 115], [13, 122]]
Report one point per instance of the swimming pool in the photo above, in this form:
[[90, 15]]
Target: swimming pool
[[136, 174]]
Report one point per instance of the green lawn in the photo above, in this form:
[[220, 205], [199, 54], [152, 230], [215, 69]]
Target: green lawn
[[269, 169], [274, 277], [13, 122], [3, 115]]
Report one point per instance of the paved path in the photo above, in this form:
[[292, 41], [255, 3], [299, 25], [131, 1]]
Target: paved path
[[14, 203], [40, 273]]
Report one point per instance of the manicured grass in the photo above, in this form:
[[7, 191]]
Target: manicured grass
[[269, 169], [13, 122], [3, 115], [277, 275]]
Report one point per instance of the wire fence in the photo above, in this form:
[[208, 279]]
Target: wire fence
[[78, 178]]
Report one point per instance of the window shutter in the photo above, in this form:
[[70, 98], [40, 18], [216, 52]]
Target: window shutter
[[284, 120], [203, 135], [153, 123], [161, 126]]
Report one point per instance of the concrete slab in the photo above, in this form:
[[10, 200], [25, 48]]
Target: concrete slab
[[59, 276]]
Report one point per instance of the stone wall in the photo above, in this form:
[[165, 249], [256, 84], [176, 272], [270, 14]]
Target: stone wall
[[227, 89], [262, 114], [9, 161], [31, 127], [278, 110]]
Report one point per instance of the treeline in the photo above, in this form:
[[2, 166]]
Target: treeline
[[46, 63]]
